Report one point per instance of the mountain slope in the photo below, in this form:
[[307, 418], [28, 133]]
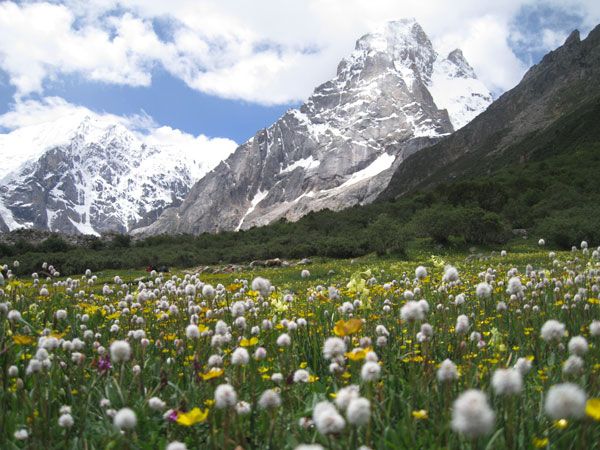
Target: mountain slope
[[84, 174], [388, 100], [565, 80]]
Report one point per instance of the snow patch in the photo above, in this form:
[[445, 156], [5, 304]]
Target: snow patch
[[463, 96], [306, 163], [8, 217], [383, 162], [260, 195], [84, 228]]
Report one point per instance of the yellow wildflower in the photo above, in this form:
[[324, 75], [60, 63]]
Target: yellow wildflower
[[196, 415], [249, 342], [561, 424], [420, 414], [21, 339], [592, 408], [347, 327], [215, 372]]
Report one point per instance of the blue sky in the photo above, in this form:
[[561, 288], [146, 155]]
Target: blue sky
[[168, 101], [227, 69]]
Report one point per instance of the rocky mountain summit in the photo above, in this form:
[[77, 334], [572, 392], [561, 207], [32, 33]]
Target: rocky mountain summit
[[393, 96]]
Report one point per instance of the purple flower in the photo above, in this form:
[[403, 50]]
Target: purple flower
[[104, 364], [172, 417]]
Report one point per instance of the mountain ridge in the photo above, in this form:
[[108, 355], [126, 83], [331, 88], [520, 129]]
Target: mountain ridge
[[88, 174], [564, 79], [331, 152]]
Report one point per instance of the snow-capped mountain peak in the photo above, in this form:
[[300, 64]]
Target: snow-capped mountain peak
[[392, 96], [456, 88], [402, 48], [402, 41], [462, 67], [91, 174]]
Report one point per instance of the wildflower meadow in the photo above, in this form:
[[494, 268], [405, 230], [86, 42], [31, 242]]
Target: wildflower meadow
[[487, 351]]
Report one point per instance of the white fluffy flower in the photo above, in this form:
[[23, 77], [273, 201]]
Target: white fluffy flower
[[277, 377], [327, 419], [13, 371], [284, 340], [595, 328], [471, 414], [359, 411], [21, 435], [215, 361], [565, 401], [240, 357], [66, 421], [553, 330], [507, 382], [301, 376], [333, 347], [176, 445], [345, 395], [243, 408], [120, 351], [192, 331], [208, 291], [450, 274], [483, 290], [262, 285], [462, 324], [260, 353], [269, 399], [370, 371], [125, 419], [573, 365], [14, 316], [156, 404], [514, 286], [427, 330], [447, 371], [412, 311], [420, 272], [225, 396], [523, 365], [578, 345]]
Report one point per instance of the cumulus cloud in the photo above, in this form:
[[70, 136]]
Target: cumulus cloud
[[269, 52], [32, 112], [32, 126]]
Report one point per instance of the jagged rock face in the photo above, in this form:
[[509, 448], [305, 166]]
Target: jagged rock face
[[3, 227], [565, 80], [100, 179], [388, 100]]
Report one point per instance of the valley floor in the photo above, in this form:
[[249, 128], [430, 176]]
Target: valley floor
[[478, 350]]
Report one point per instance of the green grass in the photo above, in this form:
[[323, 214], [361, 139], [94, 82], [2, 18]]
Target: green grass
[[171, 364]]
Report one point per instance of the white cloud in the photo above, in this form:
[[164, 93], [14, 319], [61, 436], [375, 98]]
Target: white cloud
[[267, 51], [31, 112], [213, 150], [34, 125]]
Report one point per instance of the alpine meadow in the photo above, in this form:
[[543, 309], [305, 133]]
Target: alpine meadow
[[406, 256]]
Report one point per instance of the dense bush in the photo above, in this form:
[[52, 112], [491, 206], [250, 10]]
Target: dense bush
[[571, 226], [387, 237]]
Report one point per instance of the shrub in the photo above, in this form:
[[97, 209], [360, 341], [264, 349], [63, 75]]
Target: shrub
[[386, 236], [571, 226]]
